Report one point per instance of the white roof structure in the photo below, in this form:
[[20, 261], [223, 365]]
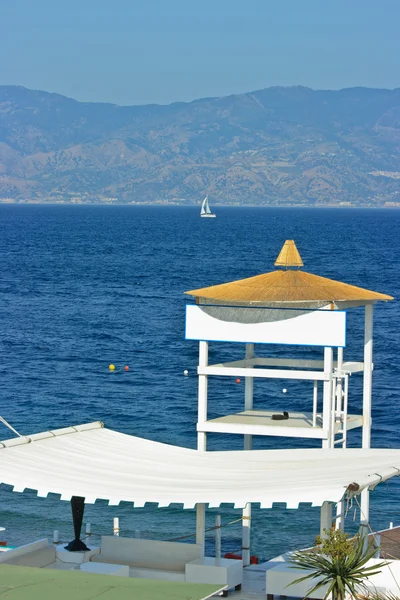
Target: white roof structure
[[95, 462]]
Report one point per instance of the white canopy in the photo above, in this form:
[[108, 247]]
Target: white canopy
[[95, 462]]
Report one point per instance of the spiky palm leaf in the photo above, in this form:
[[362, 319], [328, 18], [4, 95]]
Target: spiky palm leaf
[[343, 573]]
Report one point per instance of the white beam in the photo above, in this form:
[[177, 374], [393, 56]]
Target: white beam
[[289, 362], [201, 526], [218, 537], [202, 441], [272, 362], [248, 392], [248, 443], [367, 400], [325, 519], [340, 512], [315, 403], [263, 373], [327, 397], [202, 395], [246, 529], [347, 367], [367, 380]]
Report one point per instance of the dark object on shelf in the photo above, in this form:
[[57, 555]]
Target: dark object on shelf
[[283, 417]]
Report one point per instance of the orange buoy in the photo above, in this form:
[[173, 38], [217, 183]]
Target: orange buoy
[[237, 380], [126, 368]]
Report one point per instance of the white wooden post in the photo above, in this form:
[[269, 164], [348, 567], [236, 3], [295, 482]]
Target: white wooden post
[[326, 518], [246, 528], [326, 508], [340, 508], [116, 526], [339, 385], [202, 395], [217, 536], [201, 526], [248, 443], [248, 394], [315, 403], [367, 397], [202, 440], [327, 398]]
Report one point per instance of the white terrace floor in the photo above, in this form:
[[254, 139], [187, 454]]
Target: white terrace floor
[[253, 587]]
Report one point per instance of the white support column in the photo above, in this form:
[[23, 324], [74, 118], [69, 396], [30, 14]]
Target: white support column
[[326, 518], [340, 508], [326, 508], [367, 397], [248, 443], [367, 383], [315, 403], [327, 398], [116, 526], [339, 385], [202, 395], [248, 394], [218, 536], [202, 440], [246, 528], [201, 526]]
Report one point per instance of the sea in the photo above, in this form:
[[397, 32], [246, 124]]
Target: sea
[[86, 286]]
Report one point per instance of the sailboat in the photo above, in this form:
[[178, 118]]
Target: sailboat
[[205, 209]]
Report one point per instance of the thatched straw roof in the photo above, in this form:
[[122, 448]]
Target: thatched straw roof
[[288, 286], [289, 256]]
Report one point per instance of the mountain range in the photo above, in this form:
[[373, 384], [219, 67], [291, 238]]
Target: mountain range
[[280, 145]]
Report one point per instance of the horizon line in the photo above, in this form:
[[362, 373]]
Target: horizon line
[[272, 87]]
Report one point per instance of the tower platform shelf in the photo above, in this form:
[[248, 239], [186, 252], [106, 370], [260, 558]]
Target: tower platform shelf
[[260, 422]]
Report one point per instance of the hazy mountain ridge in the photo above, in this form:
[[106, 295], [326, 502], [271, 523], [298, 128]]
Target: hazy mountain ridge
[[277, 145]]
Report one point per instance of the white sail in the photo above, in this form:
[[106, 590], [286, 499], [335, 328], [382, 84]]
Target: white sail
[[205, 209]]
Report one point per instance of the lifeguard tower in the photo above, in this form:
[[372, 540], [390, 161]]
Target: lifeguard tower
[[289, 307]]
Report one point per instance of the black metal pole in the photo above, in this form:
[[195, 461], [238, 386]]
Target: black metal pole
[[78, 508]]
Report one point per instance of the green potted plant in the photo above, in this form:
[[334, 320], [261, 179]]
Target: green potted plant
[[338, 563]]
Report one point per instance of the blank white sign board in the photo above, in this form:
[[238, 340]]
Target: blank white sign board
[[295, 327]]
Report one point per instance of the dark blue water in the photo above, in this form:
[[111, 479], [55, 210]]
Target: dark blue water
[[85, 286]]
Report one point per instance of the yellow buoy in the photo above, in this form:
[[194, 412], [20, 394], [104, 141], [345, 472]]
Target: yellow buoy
[[111, 367]]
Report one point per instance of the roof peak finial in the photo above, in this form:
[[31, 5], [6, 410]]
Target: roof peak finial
[[289, 256]]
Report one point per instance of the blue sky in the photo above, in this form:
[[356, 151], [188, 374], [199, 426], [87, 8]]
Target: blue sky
[[139, 52]]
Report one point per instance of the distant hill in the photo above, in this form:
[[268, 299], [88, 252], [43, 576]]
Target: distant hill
[[280, 145]]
